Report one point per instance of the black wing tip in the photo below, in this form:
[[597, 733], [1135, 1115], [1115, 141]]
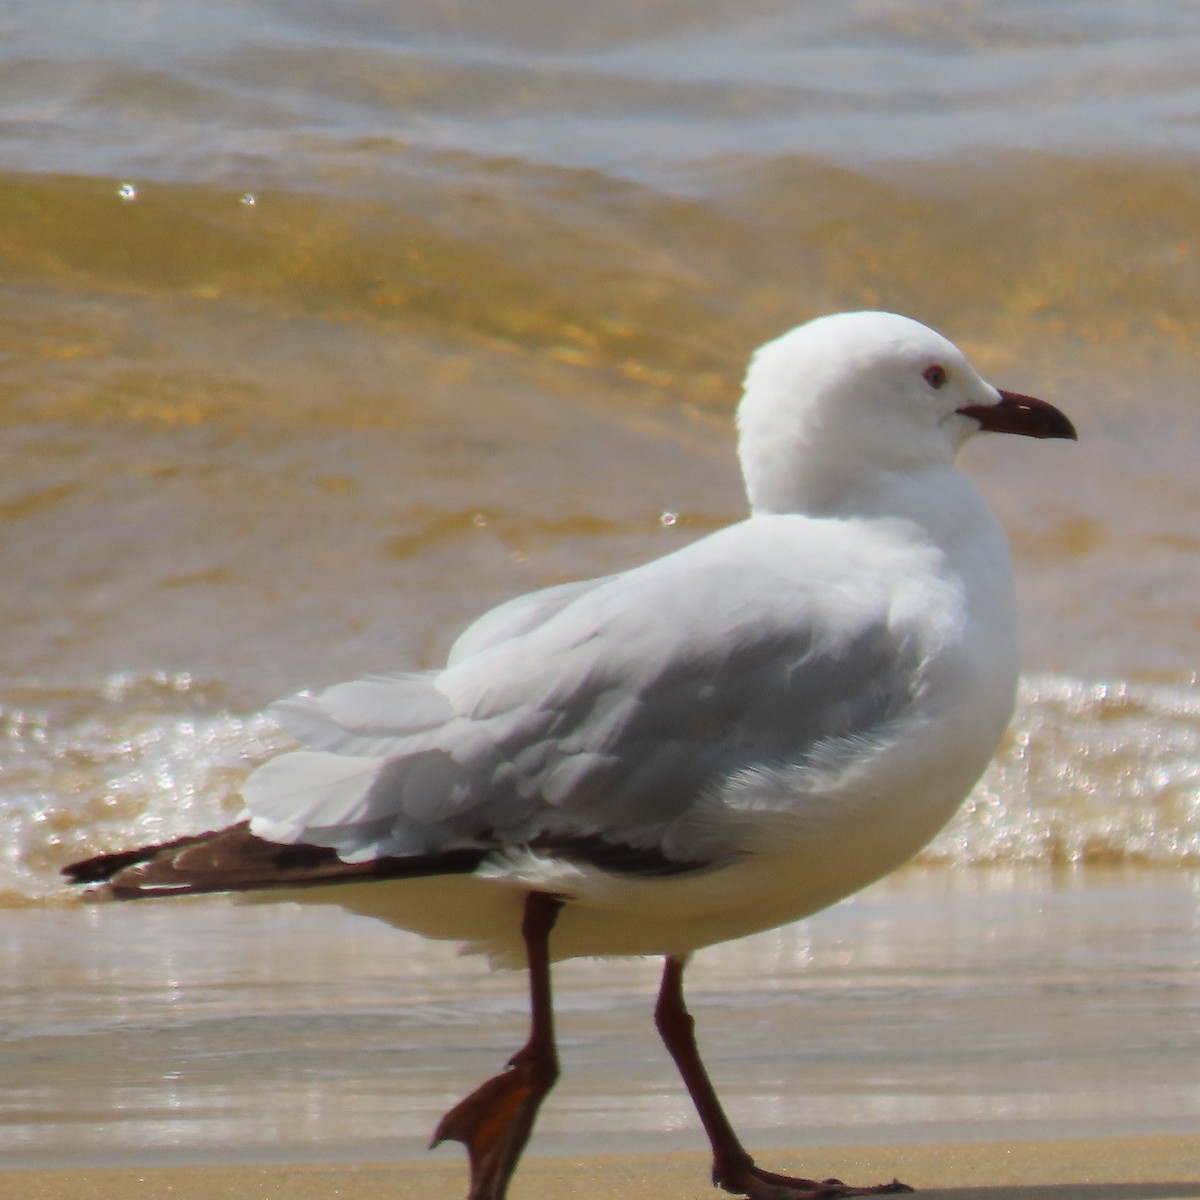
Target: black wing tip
[[106, 869], [235, 860], [102, 867]]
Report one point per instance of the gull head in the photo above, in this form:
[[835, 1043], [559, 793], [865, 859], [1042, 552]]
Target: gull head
[[831, 406]]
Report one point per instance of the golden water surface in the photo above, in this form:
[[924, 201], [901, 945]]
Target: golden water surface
[[323, 327]]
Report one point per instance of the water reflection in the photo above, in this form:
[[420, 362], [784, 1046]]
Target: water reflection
[[938, 1005]]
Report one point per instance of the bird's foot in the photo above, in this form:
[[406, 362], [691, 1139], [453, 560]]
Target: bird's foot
[[755, 1183], [494, 1122]]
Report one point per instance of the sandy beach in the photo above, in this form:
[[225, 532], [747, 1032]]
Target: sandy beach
[[1103, 1169], [931, 1009], [325, 327]]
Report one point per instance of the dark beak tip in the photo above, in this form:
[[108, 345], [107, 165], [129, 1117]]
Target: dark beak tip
[[1053, 424], [1024, 415]]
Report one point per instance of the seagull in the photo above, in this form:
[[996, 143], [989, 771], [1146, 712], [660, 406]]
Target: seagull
[[718, 742]]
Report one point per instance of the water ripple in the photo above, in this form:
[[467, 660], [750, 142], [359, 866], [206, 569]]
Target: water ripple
[[1091, 773]]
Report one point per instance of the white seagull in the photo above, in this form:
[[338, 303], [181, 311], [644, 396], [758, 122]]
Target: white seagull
[[715, 743]]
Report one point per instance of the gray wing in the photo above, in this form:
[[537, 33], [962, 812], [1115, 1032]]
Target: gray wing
[[613, 719], [518, 616]]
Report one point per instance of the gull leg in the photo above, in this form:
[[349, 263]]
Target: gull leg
[[733, 1168], [494, 1122]]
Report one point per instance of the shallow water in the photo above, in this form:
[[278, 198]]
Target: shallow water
[[943, 1006], [322, 328]]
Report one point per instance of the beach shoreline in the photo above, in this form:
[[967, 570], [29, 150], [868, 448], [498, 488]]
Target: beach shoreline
[[1066, 1169], [939, 1007]]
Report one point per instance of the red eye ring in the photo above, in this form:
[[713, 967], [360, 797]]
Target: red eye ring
[[935, 376]]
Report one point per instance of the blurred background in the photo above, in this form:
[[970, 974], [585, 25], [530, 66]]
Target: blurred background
[[324, 326]]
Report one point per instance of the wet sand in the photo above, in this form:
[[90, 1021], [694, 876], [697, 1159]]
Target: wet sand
[[937, 1007], [299, 379], [1107, 1169]]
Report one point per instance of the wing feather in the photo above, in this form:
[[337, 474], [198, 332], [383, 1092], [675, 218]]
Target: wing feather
[[614, 710]]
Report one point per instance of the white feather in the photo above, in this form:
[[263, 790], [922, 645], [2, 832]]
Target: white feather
[[799, 700]]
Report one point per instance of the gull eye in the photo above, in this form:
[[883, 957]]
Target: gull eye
[[935, 376]]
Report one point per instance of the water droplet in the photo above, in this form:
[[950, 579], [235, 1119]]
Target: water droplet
[[667, 519], [127, 191]]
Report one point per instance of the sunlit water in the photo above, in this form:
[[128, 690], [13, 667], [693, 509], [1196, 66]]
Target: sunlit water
[[947, 1007], [324, 327]]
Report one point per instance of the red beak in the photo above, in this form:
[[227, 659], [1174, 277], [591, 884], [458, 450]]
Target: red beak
[[1026, 415]]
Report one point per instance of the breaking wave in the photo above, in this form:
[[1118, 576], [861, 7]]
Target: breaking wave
[[1090, 774]]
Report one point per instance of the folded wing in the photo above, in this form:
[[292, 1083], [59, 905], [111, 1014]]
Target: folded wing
[[612, 715]]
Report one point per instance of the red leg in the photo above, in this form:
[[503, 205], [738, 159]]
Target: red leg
[[494, 1122], [733, 1169]]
